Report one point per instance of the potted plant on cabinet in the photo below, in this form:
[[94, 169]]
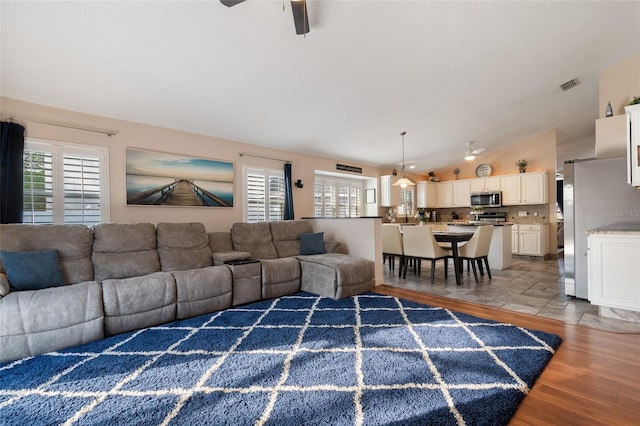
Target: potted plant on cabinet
[[522, 165]]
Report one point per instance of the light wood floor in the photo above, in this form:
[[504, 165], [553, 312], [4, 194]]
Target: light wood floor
[[593, 379]]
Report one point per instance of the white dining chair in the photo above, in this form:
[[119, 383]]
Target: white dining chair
[[392, 245], [476, 250], [419, 243]]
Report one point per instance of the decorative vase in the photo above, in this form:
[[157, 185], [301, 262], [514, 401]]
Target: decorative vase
[[609, 111], [421, 223], [523, 170]]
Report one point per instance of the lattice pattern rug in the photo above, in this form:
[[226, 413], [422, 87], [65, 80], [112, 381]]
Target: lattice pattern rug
[[301, 359]]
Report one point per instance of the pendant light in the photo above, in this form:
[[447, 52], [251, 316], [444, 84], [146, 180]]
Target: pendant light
[[403, 182]]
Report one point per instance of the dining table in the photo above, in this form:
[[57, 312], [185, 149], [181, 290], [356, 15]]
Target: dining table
[[454, 238]]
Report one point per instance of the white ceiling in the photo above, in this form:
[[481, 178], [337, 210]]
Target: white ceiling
[[444, 72]]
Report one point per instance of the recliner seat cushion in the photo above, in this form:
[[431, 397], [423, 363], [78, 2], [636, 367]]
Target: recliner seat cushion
[[201, 291], [138, 302], [280, 277], [39, 321]]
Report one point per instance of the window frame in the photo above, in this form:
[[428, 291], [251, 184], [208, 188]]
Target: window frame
[[58, 151], [267, 173], [337, 183]]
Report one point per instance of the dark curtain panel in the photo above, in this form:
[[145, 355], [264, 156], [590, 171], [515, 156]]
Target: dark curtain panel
[[288, 194], [560, 194], [11, 174]]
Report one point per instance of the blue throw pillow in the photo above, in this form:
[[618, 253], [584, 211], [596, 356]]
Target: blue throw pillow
[[32, 270], [312, 243]]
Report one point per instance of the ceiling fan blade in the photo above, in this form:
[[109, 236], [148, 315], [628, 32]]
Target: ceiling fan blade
[[300, 17], [230, 3], [478, 151]]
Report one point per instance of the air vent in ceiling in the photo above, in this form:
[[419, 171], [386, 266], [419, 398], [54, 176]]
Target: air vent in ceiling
[[569, 84]]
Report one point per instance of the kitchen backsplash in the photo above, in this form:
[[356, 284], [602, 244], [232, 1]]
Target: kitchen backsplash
[[513, 214]]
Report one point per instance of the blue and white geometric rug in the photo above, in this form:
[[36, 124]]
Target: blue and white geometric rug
[[296, 360]]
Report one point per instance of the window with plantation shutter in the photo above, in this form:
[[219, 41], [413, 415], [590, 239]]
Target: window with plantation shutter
[[337, 197], [65, 183], [406, 200], [264, 195]]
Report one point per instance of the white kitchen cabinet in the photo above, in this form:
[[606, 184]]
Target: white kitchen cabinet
[[445, 194], [534, 188], [525, 189], [514, 239], [614, 268], [533, 240], [389, 195], [510, 187], [632, 116], [426, 196], [485, 184], [461, 193]]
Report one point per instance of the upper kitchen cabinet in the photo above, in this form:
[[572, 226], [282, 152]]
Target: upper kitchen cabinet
[[426, 196], [389, 195], [525, 188], [632, 115], [461, 193], [485, 184], [445, 194], [454, 193]]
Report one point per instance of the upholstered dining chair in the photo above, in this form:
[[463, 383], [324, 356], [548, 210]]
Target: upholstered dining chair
[[476, 250], [392, 245], [419, 243]]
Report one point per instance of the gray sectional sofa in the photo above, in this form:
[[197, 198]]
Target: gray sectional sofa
[[123, 277]]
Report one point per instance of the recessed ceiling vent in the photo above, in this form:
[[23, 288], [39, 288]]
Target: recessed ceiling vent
[[569, 84]]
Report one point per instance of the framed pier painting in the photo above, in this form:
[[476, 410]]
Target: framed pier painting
[[163, 179]]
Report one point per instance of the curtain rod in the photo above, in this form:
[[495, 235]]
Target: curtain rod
[[242, 154], [66, 126]]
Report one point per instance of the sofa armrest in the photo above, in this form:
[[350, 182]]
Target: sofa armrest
[[219, 257], [4, 285], [331, 246]]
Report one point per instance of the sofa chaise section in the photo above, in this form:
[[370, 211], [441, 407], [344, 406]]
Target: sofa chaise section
[[336, 275]]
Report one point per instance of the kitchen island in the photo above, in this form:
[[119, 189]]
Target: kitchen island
[[500, 249]]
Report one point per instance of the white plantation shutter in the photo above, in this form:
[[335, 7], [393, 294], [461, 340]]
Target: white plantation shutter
[[38, 187], [65, 183], [406, 200], [336, 197], [264, 195]]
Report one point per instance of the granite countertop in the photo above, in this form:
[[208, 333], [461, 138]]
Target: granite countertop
[[619, 228]]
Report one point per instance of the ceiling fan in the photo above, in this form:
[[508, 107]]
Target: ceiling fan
[[298, 7], [471, 153]]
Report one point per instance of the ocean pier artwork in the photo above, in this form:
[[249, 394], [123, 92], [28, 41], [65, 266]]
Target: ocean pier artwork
[[162, 179]]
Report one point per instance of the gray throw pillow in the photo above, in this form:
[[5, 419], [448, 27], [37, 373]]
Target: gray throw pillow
[[312, 243], [32, 270]]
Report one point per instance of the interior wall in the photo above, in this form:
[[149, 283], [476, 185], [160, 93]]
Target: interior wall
[[137, 135], [618, 85]]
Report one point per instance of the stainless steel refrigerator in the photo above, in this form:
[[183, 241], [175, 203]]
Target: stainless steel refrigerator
[[595, 195]]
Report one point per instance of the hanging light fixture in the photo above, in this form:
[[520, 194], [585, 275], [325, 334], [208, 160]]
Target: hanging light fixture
[[403, 182]]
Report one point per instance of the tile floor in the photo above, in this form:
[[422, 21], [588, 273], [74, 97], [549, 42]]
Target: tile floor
[[533, 287]]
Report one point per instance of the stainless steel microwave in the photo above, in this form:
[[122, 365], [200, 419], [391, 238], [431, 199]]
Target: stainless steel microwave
[[486, 199]]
